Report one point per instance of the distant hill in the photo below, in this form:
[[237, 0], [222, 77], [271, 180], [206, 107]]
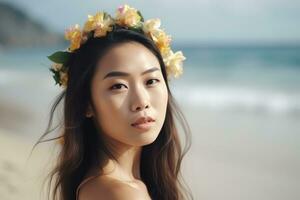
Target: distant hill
[[17, 29]]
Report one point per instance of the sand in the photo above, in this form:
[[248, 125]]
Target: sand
[[233, 156], [21, 175]]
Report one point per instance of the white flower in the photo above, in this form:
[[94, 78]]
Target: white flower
[[151, 25], [173, 62]]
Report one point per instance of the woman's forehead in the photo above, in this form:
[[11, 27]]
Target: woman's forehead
[[130, 57]]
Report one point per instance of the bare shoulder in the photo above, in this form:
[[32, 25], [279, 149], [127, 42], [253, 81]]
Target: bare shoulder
[[106, 188]]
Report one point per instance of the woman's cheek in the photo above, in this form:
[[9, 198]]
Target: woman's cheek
[[115, 100], [162, 92]]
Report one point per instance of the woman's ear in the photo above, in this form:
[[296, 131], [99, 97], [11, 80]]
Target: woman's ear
[[89, 112]]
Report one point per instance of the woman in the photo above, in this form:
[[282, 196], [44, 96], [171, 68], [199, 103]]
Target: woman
[[119, 136]]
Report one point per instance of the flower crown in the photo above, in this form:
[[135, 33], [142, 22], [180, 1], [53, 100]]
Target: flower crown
[[102, 23]]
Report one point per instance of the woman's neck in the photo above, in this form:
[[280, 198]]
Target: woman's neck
[[127, 167]]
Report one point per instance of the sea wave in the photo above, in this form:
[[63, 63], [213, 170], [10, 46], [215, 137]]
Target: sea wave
[[231, 97], [243, 99]]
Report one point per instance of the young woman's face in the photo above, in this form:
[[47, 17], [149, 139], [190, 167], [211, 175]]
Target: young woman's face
[[128, 85]]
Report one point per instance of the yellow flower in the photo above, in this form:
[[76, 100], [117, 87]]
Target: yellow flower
[[162, 40], [90, 24], [173, 62], [101, 23], [151, 25], [127, 16], [74, 35]]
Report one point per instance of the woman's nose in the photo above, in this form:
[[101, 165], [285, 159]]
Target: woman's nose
[[140, 100], [138, 108]]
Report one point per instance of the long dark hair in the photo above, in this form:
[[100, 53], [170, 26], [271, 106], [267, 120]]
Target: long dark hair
[[83, 148]]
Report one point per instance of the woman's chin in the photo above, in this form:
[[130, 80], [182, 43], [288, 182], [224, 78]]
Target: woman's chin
[[145, 139]]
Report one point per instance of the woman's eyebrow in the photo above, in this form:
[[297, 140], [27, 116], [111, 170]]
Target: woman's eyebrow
[[119, 73]]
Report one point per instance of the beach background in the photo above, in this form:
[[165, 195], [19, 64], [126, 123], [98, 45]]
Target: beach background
[[240, 93]]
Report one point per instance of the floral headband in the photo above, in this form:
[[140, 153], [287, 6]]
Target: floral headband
[[102, 23]]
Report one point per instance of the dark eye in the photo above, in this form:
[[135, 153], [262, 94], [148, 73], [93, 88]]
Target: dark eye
[[117, 86], [152, 81]]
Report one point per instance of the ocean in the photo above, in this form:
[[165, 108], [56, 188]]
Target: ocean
[[245, 79]]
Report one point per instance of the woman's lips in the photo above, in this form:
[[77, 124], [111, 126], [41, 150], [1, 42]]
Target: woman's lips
[[144, 126], [143, 119], [143, 123]]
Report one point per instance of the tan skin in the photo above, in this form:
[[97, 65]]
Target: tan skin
[[119, 101]]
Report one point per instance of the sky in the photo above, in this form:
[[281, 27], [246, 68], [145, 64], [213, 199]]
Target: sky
[[200, 21]]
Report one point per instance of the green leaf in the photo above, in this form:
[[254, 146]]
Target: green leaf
[[140, 14], [60, 57], [105, 15], [137, 28], [55, 76]]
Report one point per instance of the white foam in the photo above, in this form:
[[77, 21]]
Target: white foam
[[239, 99]]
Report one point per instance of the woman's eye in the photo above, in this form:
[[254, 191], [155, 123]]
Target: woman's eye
[[152, 81], [117, 86]]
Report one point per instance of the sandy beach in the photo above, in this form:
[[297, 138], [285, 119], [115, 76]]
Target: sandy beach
[[21, 175], [243, 157], [226, 161]]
